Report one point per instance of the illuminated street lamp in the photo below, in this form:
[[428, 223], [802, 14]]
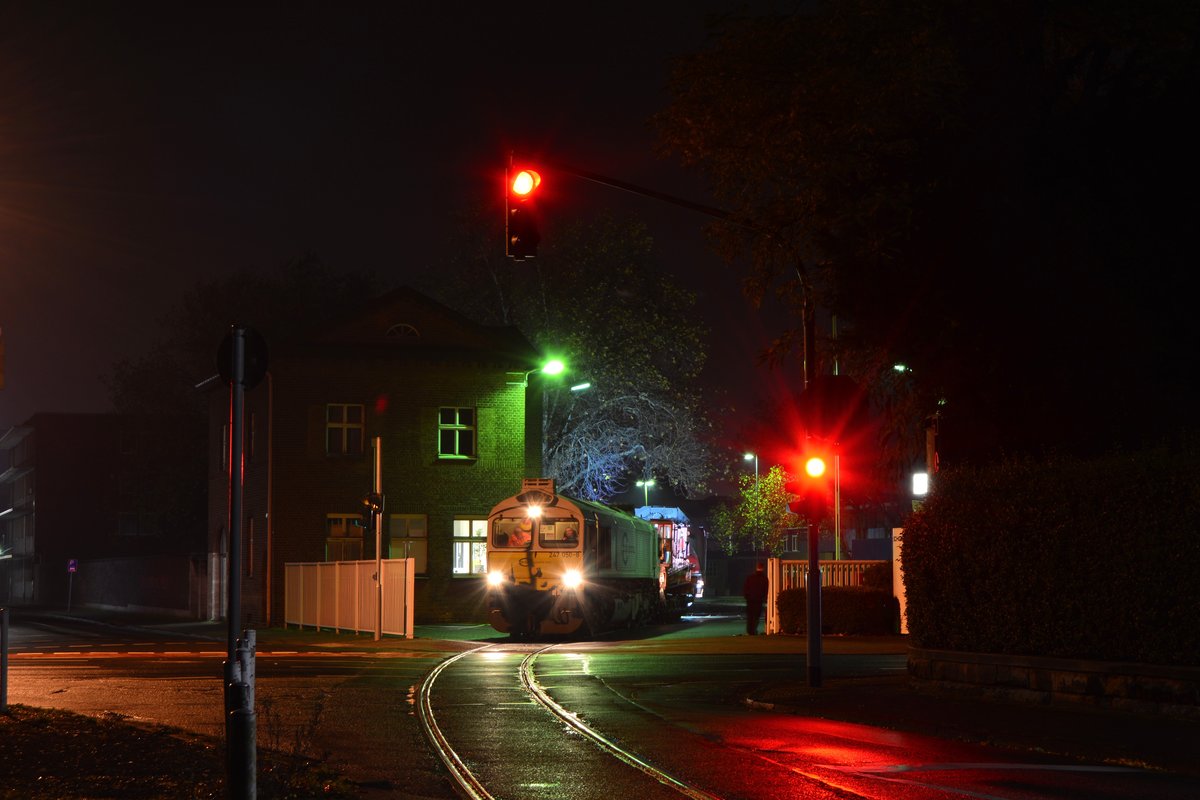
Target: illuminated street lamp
[[646, 484], [753, 457], [552, 367]]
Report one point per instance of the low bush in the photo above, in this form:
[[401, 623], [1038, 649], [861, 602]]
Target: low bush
[[851, 611]]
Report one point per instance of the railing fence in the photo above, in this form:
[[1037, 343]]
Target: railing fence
[[783, 575], [340, 596]]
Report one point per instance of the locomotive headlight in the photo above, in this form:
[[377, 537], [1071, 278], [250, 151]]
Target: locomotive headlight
[[572, 578], [495, 578]]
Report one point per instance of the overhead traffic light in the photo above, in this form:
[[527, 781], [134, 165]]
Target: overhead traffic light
[[521, 233], [811, 488]]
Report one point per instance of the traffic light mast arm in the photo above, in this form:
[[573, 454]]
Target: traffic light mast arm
[[809, 317], [605, 180]]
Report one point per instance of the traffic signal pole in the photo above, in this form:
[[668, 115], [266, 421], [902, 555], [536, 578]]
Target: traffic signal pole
[[378, 520]]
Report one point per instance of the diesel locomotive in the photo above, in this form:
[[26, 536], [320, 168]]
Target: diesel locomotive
[[560, 565]]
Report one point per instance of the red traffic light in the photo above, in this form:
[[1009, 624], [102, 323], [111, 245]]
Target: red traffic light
[[521, 232], [524, 182], [811, 489]]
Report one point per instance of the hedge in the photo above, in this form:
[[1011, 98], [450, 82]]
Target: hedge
[[1075, 559], [843, 610]]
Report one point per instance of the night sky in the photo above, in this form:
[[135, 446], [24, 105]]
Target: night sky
[[144, 146]]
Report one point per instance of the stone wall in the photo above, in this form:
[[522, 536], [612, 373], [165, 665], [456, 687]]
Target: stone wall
[[1145, 688]]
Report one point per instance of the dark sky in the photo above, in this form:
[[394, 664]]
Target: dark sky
[[144, 146]]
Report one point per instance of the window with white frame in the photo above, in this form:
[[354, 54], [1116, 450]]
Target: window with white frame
[[343, 537], [344, 429], [470, 547], [456, 432], [408, 537]]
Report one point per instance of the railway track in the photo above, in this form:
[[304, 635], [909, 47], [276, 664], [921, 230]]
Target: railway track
[[500, 734]]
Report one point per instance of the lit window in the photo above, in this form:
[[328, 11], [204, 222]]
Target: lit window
[[344, 429], [408, 537], [470, 547], [456, 433]]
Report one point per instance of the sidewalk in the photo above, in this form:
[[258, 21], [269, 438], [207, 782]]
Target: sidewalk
[[1069, 731]]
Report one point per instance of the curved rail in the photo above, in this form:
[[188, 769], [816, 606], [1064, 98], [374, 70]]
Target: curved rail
[[470, 785], [466, 781], [599, 739]]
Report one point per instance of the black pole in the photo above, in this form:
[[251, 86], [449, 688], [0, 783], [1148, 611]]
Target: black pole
[[4, 660], [237, 401], [813, 594]]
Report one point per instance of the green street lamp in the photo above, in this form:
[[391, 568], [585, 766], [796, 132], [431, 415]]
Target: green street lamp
[[552, 367], [646, 484]]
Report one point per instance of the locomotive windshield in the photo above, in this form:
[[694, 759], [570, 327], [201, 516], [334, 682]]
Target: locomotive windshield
[[512, 532], [557, 534]]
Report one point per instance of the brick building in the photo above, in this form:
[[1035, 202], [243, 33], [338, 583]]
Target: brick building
[[109, 494], [448, 399]]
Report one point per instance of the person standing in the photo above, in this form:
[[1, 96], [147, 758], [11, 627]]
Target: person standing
[[755, 592]]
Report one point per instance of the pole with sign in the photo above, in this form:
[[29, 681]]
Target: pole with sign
[[242, 362], [72, 566]]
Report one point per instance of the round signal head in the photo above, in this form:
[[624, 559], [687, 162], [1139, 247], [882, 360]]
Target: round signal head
[[524, 182], [815, 466]]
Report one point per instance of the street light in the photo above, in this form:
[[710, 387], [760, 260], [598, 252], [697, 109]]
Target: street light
[[753, 457], [646, 484], [552, 367]]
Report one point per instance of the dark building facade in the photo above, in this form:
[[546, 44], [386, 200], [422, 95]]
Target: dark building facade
[[97, 506], [457, 420]]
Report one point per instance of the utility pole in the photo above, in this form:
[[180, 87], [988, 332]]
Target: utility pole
[[378, 518]]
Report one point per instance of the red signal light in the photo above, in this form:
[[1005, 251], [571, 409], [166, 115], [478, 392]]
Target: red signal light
[[525, 182], [811, 489], [521, 231]]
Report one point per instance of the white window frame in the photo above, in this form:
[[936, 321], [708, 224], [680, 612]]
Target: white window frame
[[342, 535], [414, 546], [469, 543]]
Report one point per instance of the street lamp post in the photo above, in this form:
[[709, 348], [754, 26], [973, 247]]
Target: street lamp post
[[753, 457], [646, 484]]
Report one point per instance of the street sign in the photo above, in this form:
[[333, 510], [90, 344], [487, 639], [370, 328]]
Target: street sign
[[254, 366], [72, 565]]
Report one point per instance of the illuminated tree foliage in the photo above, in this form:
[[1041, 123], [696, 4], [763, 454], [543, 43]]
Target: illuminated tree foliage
[[760, 519], [596, 298], [983, 191]]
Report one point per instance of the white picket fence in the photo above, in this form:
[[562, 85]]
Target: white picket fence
[[783, 575], [341, 596]]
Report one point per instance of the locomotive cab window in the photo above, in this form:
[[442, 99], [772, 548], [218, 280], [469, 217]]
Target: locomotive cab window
[[512, 532], [558, 533]]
